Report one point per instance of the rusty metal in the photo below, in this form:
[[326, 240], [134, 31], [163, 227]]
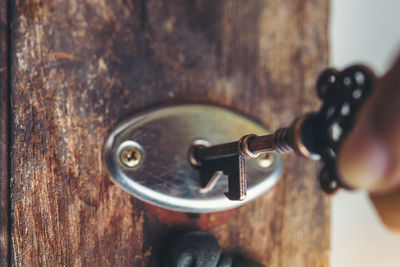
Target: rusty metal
[[283, 141], [234, 167], [316, 135], [230, 158]]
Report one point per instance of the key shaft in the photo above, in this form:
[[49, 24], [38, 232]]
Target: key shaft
[[255, 144], [281, 141]]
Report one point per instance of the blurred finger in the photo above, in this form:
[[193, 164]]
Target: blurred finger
[[388, 207], [370, 156]]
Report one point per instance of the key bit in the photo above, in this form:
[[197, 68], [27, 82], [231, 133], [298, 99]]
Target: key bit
[[234, 167], [317, 135]]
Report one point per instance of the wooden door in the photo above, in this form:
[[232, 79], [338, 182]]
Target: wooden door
[[71, 70]]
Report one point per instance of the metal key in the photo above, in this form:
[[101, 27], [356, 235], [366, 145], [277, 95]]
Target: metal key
[[316, 135], [230, 158]]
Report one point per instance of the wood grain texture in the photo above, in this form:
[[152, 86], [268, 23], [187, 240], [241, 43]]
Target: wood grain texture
[[81, 66], [4, 98]]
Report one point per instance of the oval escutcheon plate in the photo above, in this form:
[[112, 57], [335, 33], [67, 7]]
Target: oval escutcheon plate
[[160, 172]]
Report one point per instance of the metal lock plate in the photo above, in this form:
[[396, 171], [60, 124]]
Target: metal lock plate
[[147, 156]]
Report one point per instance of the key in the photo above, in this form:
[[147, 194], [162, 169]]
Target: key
[[316, 135], [230, 159]]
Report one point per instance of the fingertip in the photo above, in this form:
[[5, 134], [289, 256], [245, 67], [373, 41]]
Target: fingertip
[[363, 161]]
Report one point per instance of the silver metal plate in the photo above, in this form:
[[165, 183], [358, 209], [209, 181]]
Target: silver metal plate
[[164, 176]]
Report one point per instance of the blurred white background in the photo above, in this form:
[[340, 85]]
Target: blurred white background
[[363, 31]]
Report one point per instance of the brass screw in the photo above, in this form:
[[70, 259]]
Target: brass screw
[[130, 156], [265, 160]]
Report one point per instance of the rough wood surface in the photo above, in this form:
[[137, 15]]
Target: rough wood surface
[[4, 98], [81, 66]]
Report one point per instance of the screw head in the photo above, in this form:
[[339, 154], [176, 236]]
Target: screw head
[[265, 160], [130, 156]]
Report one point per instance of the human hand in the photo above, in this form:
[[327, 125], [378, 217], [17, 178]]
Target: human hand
[[370, 156]]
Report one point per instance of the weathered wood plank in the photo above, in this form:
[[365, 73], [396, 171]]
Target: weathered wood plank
[[4, 98], [82, 66]]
